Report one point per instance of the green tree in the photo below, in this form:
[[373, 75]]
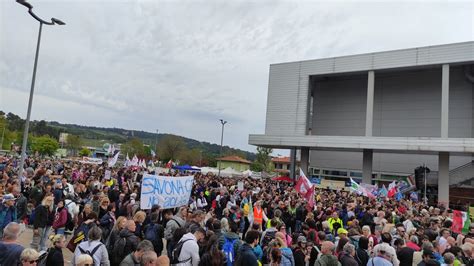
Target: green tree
[[134, 147], [263, 161], [85, 152], [170, 147], [74, 143], [44, 145]]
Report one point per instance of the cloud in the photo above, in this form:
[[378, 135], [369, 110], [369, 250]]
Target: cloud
[[179, 66]]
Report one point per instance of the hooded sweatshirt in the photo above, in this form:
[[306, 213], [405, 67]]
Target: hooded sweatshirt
[[190, 251], [173, 224]]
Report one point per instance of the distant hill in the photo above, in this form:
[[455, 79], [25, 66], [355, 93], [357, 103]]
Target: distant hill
[[97, 136], [120, 135]]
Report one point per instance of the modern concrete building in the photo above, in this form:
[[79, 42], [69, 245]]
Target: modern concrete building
[[376, 114]]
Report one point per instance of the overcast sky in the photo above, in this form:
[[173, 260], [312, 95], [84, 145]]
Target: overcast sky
[[180, 66]]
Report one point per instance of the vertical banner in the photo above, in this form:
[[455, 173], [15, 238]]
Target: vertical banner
[[166, 191]]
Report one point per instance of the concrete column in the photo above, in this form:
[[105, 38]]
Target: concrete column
[[445, 101], [367, 166], [369, 115], [443, 178], [305, 160], [293, 164]]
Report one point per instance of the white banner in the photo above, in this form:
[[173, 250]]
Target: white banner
[[166, 191]]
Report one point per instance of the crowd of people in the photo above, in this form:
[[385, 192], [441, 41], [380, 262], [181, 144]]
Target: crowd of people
[[97, 216]]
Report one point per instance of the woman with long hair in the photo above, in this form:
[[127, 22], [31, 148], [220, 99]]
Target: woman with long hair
[[139, 218], [115, 232], [85, 212], [107, 221], [55, 256], [212, 255], [41, 223], [103, 207]]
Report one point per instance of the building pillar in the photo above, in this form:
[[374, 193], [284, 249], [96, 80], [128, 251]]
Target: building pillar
[[369, 115], [367, 166], [445, 101], [305, 160], [293, 164], [443, 178]]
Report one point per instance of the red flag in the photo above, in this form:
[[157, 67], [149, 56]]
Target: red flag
[[169, 164], [392, 189], [310, 197], [303, 185]]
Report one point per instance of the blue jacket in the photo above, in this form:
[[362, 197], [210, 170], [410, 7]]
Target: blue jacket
[[4, 213]]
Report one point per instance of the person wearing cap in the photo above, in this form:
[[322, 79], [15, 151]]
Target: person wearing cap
[[8, 212], [300, 251], [190, 250]]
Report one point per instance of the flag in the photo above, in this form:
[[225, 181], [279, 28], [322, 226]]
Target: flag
[[134, 161], [250, 216], [310, 197], [461, 222], [360, 190], [169, 164], [153, 153], [392, 189], [113, 160], [127, 161], [383, 192], [303, 185]]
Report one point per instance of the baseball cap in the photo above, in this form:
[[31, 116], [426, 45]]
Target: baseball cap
[[301, 239], [8, 197]]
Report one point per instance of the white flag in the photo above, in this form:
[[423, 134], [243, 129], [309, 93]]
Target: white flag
[[134, 161], [113, 160]]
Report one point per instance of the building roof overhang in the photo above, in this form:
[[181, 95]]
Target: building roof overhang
[[417, 145]]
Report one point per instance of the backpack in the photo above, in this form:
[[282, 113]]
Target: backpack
[[153, 234], [269, 236], [91, 252], [228, 249], [176, 252], [69, 222], [43, 257], [118, 252], [31, 219]]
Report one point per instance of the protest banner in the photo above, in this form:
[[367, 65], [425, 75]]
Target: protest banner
[[240, 186], [166, 191]]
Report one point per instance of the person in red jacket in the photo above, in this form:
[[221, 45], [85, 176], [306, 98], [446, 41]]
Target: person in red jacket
[[60, 218]]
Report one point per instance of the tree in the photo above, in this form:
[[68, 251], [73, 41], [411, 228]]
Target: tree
[[263, 161], [74, 143], [134, 147], [44, 145], [170, 147], [85, 152]]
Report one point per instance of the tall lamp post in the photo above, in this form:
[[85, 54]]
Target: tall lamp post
[[222, 142], [54, 21]]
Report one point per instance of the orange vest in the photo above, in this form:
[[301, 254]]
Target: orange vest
[[257, 216]]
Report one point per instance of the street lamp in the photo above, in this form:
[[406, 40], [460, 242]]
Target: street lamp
[[222, 141], [54, 21]]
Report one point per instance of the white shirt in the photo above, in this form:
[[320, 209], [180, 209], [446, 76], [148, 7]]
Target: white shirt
[[190, 250]]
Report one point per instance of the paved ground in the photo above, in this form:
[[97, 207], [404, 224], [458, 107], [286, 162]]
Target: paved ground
[[25, 240]]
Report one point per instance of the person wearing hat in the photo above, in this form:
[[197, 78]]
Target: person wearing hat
[[7, 211], [300, 252]]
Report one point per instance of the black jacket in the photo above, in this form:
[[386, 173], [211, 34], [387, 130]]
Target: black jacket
[[348, 260], [41, 217], [55, 257], [246, 256]]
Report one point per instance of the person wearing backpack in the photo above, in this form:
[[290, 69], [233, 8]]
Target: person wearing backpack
[[231, 243], [107, 221], [126, 244], [94, 248], [246, 256], [55, 254], [60, 218], [177, 221], [154, 232], [186, 251], [134, 258]]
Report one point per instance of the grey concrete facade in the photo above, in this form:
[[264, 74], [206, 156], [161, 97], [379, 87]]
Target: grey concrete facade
[[388, 111]]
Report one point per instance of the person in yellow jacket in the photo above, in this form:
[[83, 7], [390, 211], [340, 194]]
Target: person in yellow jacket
[[334, 219]]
